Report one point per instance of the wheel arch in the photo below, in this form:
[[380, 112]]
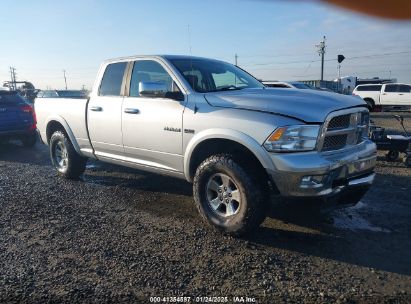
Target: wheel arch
[[59, 123], [214, 141]]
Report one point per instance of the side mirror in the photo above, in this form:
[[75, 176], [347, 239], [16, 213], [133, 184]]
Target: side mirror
[[158, 90], [152, 89]]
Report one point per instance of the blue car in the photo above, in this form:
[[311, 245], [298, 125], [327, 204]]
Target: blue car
[[17, 119]]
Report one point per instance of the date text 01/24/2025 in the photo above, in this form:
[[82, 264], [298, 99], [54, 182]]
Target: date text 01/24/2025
[[175, 299]]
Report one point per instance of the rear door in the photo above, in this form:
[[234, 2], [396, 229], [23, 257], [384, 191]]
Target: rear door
[[13, 116], [104, 112]]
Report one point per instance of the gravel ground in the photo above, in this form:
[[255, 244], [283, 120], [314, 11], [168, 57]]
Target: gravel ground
[[121, 235]]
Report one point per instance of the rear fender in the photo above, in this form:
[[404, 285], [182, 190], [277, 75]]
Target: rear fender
[[67, 129]]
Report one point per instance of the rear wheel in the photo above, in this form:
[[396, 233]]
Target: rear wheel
[[228, 197], [64, 157]]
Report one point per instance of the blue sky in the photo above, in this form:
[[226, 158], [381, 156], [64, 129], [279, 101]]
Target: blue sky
[[273, 39]]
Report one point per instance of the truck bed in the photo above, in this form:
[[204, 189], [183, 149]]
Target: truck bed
[[70, 112]]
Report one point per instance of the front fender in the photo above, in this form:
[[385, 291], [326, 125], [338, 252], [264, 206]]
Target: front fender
[[67, 129], [259, 152]]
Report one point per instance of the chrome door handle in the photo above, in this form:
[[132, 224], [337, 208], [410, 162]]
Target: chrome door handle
[[131, 111], [400, 94], [96, 109]]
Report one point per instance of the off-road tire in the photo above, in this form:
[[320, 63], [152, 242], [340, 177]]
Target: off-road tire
[[254, 196], [76, 164], [29, 140]]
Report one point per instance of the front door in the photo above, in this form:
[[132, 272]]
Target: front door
[[153, 126], [389, 95], [404, 94]]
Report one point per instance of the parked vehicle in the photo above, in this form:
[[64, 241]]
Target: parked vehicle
[[288, 85], [213, 124], [390, 95], [25, 89], [61, 94], [17, 119], [394, 144]]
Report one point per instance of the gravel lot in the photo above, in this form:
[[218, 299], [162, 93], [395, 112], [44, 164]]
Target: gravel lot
[[120, 235]]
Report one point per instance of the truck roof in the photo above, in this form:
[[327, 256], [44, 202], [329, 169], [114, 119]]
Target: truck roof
[[169, 57]]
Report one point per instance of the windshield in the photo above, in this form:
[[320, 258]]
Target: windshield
[[205, 75]]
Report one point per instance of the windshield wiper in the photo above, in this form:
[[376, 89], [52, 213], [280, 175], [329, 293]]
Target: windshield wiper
[[227, 88]]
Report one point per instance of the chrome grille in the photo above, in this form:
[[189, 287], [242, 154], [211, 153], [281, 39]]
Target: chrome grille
[[334, 142], [344, 128], [340, 122]]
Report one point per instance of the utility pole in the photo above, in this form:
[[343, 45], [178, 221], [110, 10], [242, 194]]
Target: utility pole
[[236, 59], [321, 52], [13, 78], [65, 79]]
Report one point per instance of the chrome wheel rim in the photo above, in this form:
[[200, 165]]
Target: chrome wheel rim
[[223, 195], [60, 156]]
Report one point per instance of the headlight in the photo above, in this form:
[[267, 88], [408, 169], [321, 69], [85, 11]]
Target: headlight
[[293, 138]]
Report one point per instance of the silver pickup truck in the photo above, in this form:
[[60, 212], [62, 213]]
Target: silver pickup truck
[[215, 125]]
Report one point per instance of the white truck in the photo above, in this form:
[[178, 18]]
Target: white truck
[[215, 125], [390, 95]]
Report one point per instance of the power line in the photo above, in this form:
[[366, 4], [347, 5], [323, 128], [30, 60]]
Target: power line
[[325, 60]]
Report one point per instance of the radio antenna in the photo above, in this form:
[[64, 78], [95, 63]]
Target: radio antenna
[[189, 40]]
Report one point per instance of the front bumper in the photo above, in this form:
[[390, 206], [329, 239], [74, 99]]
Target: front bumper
[[313, 174]]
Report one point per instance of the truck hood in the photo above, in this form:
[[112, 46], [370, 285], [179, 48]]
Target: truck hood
[[305, 105]]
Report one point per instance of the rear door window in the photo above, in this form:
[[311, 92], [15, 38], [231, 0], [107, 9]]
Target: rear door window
[[112, 79]]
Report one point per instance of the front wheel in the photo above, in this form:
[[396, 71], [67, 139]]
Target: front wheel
[[228, 197], [64, 157], [370, 105], [392, 155]]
